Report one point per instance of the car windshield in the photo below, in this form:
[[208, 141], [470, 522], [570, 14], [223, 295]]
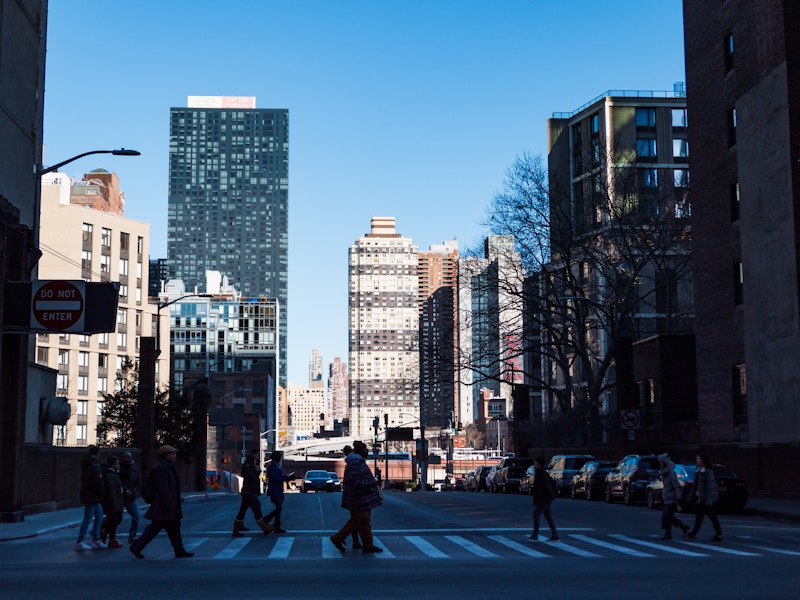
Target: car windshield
[[317, 475], [333, 476], [575, 462]]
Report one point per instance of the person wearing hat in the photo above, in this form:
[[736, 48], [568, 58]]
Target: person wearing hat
[[91, 496], [131, 485], [165, 511], [275, 482], [670, 495]]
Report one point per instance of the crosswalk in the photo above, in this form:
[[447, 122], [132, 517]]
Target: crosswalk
[[478, 546]]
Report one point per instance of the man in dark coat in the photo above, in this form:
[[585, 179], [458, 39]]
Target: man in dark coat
[[132, 486], [360, 494], [91, 495], [251, 490], [113, 502], [544, 495], [165, 511], [275, 481]]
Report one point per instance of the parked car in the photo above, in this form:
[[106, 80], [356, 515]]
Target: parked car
[[491, 486], [562, 467], [733, 493], [500, 478], [336, 483], [480, 477], [468, 480], [511, 478], [590, 481], [629, 479], [317, 481]]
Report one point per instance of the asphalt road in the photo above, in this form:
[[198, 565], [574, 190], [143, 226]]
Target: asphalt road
[[450, 544]]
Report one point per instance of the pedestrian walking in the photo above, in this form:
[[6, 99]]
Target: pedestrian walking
[[544, 495], [353, 536], [670, 495], [705, 488], [131, 486], [113, 501], [165, 510], [250, 493], [91, 496], [360, 495], [275, 482]]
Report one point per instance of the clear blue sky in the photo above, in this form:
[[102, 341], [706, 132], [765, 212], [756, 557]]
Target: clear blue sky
[[409, 109]]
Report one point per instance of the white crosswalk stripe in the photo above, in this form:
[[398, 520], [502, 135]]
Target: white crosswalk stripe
[[233, 548], [283, 546], [470, 547], [386, 552], [717, 548], [426, 547], [610, 546], [517, 546], [661, 547]]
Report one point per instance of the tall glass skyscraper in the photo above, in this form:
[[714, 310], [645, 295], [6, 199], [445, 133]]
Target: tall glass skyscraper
[[229, 198]]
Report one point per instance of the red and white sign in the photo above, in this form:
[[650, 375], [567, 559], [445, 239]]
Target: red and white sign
[[58, 305]]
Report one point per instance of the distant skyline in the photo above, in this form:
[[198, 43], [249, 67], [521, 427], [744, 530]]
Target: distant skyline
[[411, 110]]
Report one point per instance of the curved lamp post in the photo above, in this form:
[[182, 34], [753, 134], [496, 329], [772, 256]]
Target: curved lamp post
[[41, 170]]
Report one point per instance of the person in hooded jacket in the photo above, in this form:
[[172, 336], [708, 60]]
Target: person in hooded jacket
[[165, 511], [705, 488], [250, 493], [91, 496], [670, 495], [276, 481], [131, 485], [543, 496], [360, 494], [113, 502]]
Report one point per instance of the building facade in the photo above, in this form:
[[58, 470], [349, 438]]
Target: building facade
[[383, 326], [83, 240], [337, 390], [438, 279], [306, 406], [742, 71], [228, 197], [315, 370]]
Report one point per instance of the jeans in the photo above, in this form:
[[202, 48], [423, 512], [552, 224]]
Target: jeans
[[89, 511], [278, 502], [668, 518], [537, 513], [133, 511], [702, 511], [252, 502]]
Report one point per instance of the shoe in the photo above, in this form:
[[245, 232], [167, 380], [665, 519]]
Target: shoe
[[533, 537], [339, 545], [265, 527], [114, 544], [357, 546], [666, 537], [82, 546], [237, 529], [689, 536], [716, 538], [244, 527], [103, 536], [183, 554], [371, 549], [279, 530], [136, 552], [99, 545], [554, 538]]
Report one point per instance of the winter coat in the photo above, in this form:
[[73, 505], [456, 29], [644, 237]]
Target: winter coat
[[250, 483], [166, 505], [91, 480], [113, 500], [276, 480], [542, 489], [671, 493], [359, 488], [706, 486], [130, 482]]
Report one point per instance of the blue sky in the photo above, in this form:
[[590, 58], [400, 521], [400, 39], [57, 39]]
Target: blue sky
[[409, 109]]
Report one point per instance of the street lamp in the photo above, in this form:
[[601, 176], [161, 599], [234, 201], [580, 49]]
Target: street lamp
[[41, 170]]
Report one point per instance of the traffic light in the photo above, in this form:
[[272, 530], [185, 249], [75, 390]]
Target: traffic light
[[375, 423]]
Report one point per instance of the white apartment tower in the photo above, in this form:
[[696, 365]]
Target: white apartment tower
[[383, 325], [337, 390], [306, 406]]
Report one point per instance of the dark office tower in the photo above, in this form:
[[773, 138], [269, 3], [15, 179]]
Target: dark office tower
[[159, 275], [743, 95], [229, 198]]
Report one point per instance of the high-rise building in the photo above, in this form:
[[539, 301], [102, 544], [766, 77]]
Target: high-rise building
[[383, 325], [94, 245], [315, 370], [742, 74], [337, 390], [438, 279], [229, 197], [160, 274], [306, 408]]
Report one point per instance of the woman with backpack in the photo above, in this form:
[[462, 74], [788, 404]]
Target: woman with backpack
[[544, 494]]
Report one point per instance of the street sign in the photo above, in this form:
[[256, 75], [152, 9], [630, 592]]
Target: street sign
[[58, 305], [630, 419]]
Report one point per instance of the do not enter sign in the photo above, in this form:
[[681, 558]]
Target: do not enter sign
[[58, 305]]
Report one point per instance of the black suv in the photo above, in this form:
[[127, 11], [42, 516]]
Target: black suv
[[629, 479], [562, 467]]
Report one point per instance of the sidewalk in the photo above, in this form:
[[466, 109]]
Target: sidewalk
[[48, 522]]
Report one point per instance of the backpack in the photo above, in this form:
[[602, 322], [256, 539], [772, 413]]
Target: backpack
[[149, 487]]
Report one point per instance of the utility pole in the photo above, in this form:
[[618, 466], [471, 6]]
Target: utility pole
[[386, 450]]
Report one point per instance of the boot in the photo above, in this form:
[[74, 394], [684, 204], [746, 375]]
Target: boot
[[265, 527], [245, 527], [237, 529]]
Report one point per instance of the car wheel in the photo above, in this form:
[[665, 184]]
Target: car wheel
[[627, 497], [609, 495], [651, 502]]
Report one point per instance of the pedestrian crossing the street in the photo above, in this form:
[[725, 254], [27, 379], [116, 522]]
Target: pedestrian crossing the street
[[478, 546]]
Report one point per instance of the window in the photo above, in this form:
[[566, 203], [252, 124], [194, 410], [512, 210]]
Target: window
[[83, 359], [87, 233], [680, 150], [681, 178], [62, 382], [122, 316], [646, 149], [731, 127], [728, 48], [80, 434], [666, 292], [83, 384], [63, 357], [123, 266], [649, 178], [679, 118], [596, 124], [738, 283], [105, 237], [83, 408], [734, 193], [42, 355], [123, 292], [122, 340], [86, 259], [102, 361], [124, 241], [645, 118], [105, 263], [102, 385], [739, 388]]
